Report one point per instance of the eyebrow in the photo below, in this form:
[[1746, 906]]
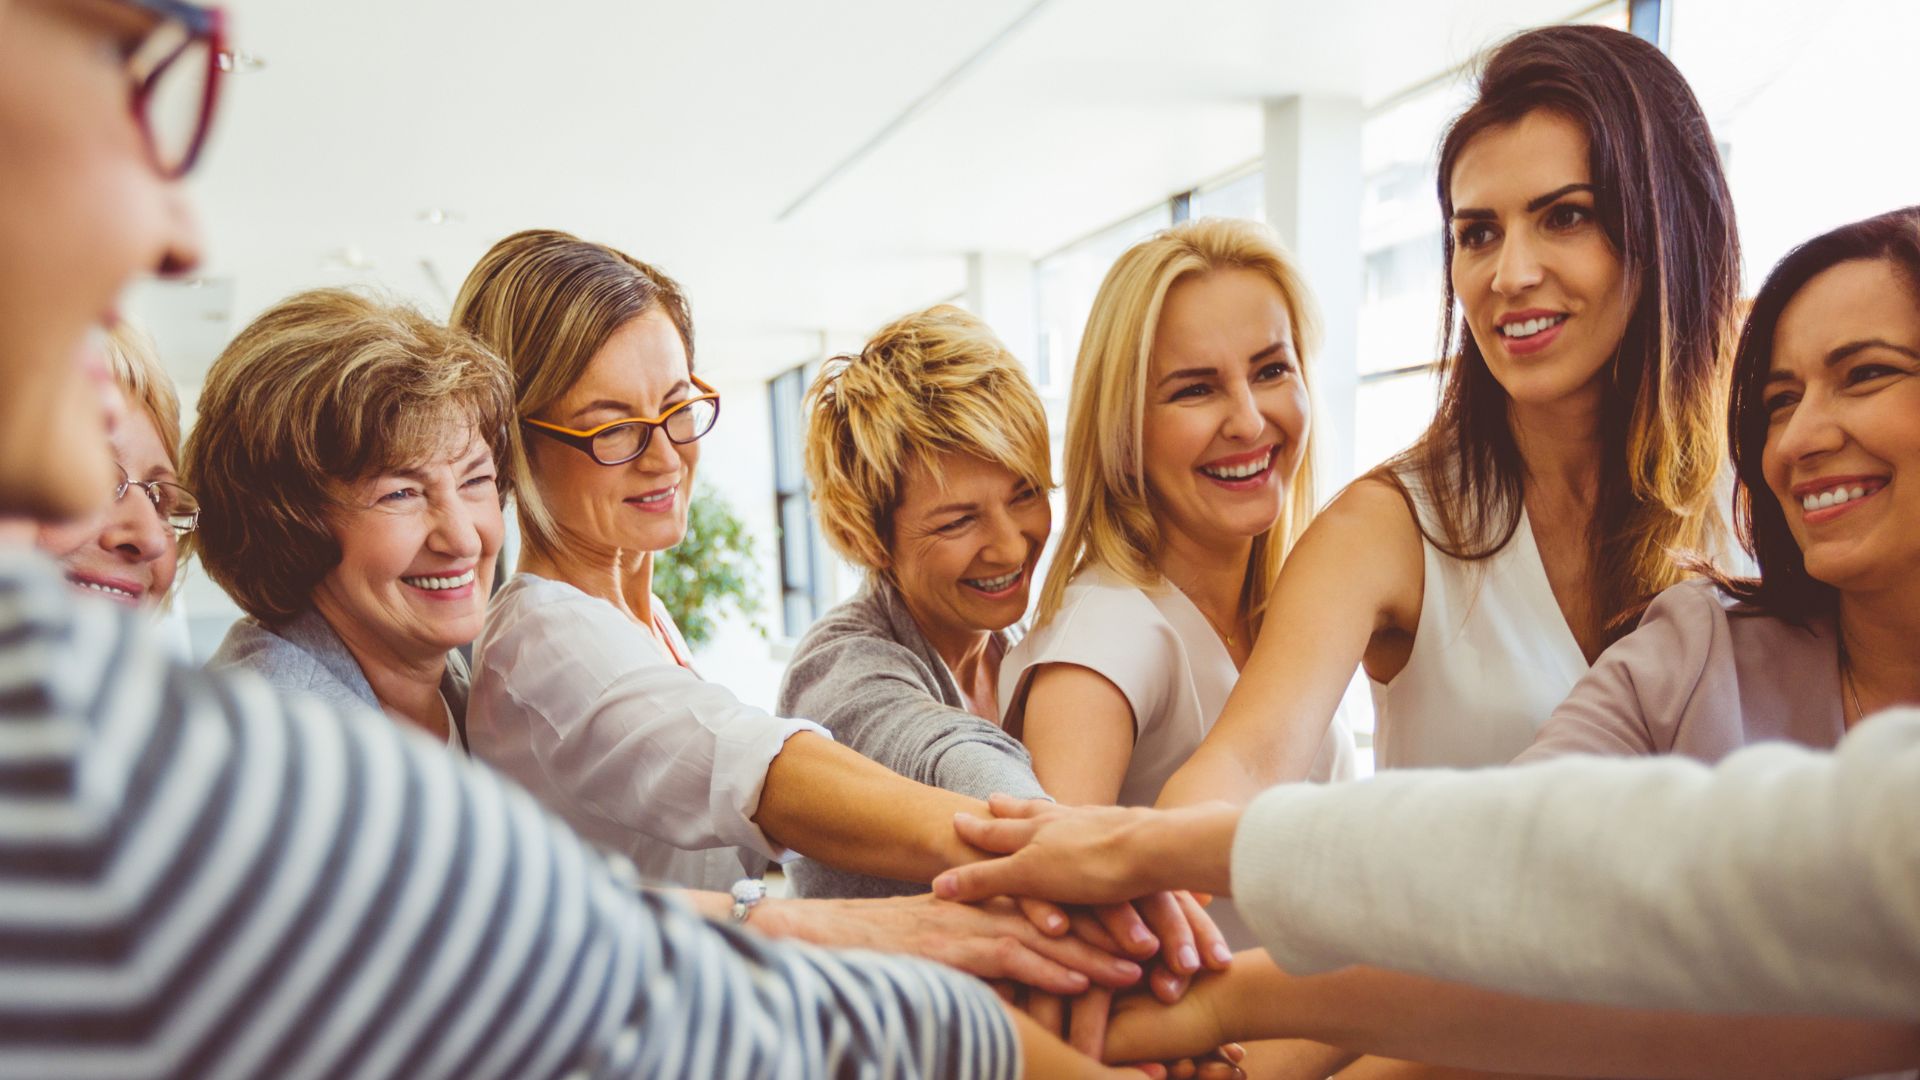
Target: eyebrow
[[624, 407], [1538, 202], [1851, 348], [1200, 372]]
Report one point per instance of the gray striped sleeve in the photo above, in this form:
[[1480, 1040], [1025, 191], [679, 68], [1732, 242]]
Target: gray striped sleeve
[[199, 878]]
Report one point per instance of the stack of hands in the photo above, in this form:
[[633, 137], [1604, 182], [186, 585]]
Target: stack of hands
[[1072, 923]]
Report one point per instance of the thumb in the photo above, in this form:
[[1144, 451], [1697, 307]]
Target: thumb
[[1002, 836], [1007, 806], [977, 881]]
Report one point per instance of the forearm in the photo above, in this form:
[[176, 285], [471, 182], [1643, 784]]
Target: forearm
[[1456, 1026], [1625, 883], [828, 803], [1214, 773]]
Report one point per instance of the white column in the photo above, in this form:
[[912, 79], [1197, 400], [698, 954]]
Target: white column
[[1000, 289], [1313, 175]]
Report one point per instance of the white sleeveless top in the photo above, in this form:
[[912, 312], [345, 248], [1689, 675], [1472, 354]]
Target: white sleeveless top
[[1492, 657], [1160, 652]]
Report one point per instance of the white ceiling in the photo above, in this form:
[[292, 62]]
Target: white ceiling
[[681, 131]]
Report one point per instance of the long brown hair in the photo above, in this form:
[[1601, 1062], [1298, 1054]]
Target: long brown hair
[[1784, 588], [1662, 200]]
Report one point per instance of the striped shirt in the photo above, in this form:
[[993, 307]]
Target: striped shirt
[[199, 878]]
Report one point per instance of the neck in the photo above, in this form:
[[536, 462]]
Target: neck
[[965, 649], [1878, 631], [621, 578], [1560, 447], [1213, 573], [405, 683]]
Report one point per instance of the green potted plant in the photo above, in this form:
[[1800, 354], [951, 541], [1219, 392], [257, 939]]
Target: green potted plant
[[709, 572]]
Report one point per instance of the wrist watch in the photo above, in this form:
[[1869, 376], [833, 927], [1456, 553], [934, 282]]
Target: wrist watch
[[746, 893]]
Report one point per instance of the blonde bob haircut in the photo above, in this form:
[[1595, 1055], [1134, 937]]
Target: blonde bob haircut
[[135, 366], [324, 389], [546, 301], [1111, 517], [933, 382]]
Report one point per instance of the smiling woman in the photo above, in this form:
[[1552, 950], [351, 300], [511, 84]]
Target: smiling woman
[[928, 460], [1592, 277], [1188, 450], [130, 552], [347, 454]]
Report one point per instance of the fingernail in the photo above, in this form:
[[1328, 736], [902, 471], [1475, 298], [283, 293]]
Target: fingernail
[[1126, 969], [1189, 959], [944, 887], [1143, 937], [1222, 954], [1056, 923]]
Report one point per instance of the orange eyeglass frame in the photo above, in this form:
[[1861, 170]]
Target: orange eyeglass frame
[[583, 440]]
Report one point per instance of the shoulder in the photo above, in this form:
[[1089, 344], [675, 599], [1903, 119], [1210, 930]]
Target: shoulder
[[286, 665], [1109, 627], [1694, 613], [1096, 601], [857, 646], [857, 620], [1103, 621], [548, 632], [1374, 507]]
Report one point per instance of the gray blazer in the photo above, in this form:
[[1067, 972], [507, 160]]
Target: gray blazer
[[867, 674], [305, 656]]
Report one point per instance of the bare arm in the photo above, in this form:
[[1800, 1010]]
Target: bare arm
[[1448, 1024], [1354, 577], [829, 803], [1079, 729]]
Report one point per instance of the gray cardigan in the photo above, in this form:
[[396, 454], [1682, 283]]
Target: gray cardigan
[[867, 674], [305, 656]]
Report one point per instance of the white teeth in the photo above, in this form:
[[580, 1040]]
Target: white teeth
[[998, 584], [662, 497], [1824, 499], [1240, 472], [439, 583], [108, 589], [1531, 326]]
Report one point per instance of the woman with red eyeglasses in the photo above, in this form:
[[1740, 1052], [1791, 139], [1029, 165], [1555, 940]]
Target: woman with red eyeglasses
[[198, 878]]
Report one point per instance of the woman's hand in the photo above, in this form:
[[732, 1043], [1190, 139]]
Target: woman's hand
[[1092, 854], [1043, 1054], [1143, 1028], [992, 940]]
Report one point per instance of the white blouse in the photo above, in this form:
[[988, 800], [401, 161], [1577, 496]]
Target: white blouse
[[578, 703], [1492, 658], [1160, 652]]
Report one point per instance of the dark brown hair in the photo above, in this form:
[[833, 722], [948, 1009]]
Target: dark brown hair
[[325, 388], [1662, 200], [1784, 588]]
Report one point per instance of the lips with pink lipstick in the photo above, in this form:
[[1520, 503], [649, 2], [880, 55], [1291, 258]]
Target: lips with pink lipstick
[[1529, 331], [1241, 472], [658, 501], [1831, 497]]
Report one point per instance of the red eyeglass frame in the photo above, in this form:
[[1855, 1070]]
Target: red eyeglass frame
[[208, 24]]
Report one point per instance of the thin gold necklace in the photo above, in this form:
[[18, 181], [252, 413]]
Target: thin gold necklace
[[1225, 634], [1853, 687]]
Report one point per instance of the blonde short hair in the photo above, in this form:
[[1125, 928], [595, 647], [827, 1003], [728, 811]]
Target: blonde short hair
[[546, 301], [135, 365], [935, 381], [325, 388], [1110, 517]]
